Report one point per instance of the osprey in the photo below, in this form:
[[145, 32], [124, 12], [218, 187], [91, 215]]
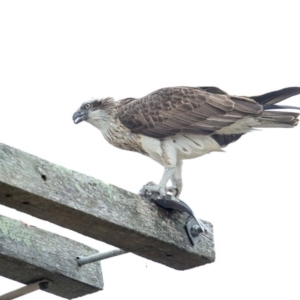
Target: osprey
[[177, 123]]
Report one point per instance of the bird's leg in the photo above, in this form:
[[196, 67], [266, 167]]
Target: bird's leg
[[177, 180], [168, 156], [168, 173], [161, 188]]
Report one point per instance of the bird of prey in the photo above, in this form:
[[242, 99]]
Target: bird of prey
[[177, 123]]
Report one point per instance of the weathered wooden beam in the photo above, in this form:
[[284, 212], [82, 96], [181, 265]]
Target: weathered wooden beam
[[29, 254], [98, 210]]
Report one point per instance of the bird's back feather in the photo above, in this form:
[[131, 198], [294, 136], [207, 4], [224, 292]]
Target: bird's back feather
[[185, 110]]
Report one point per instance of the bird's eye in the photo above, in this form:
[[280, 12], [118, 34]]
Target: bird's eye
[[87, 106]]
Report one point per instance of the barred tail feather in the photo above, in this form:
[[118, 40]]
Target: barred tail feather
[[271, 116], [278, 119]]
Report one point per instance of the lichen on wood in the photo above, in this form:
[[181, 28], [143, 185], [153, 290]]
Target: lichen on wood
[[29, 254]]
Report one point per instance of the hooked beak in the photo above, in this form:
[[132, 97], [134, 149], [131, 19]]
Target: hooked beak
[[80, 116]]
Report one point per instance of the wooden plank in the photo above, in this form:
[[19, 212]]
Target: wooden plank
[[29, 254], [98, 210]]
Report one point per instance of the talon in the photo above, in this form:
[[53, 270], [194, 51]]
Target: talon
[[151, 188], [173, 190], [148, 192], [177, 192]]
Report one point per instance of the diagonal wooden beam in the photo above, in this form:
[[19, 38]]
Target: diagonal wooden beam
[[98, 210], [29, 254]]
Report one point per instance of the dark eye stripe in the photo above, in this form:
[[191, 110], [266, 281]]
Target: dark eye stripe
[[97, 104]]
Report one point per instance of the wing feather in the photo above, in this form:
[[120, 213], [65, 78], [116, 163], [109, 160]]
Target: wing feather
[[169, 111]]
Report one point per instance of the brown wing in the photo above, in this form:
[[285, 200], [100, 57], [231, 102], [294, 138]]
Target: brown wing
[[169, 111]]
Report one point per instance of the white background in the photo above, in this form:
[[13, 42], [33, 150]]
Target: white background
[[57, 54]]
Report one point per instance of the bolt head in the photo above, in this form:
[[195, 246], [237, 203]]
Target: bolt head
[[195, 230]]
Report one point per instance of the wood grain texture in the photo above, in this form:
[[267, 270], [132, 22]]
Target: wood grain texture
[[29, 254], [99, 210]]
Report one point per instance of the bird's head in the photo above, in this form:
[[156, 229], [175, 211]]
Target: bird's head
[[96, 112]]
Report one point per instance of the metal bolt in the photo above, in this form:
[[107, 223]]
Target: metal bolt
[[43, 285], [82, 260], [195, 230]]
